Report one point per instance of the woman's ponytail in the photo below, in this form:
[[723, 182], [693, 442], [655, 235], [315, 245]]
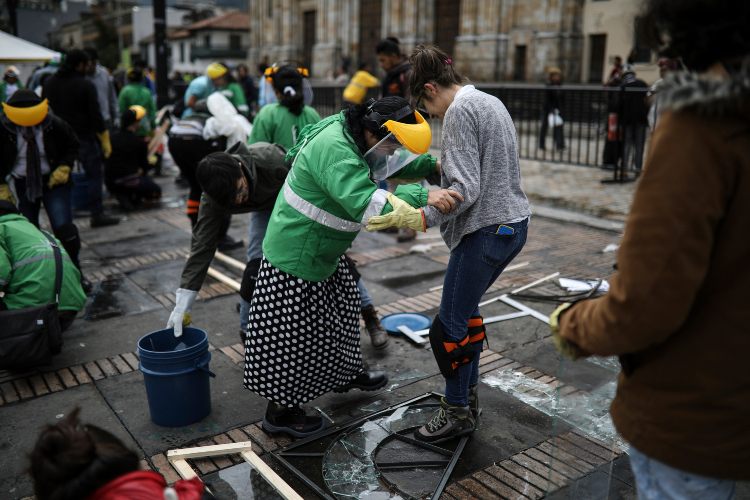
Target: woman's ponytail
[[287, 81]]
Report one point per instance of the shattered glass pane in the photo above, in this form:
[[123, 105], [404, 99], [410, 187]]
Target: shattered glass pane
[[412, 374], [240, 482], [377, 405]]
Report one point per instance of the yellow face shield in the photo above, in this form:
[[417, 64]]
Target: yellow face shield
[[404, 144], [140, 111], [27, 117]]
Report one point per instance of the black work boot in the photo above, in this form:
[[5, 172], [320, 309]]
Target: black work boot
[[368, 381], [378, 335], [292, 421], [447, 422], [474, 400]]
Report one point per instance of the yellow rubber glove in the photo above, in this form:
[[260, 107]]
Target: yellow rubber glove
[[403, 215], [6, 194], [59, 176], [106, 145], [563, 347]]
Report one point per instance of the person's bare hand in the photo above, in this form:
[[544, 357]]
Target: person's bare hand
[[442, 199]]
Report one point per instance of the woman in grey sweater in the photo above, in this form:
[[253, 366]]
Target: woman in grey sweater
[[485, 232]]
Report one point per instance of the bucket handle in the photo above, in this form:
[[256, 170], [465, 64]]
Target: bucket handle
[[202, 367]]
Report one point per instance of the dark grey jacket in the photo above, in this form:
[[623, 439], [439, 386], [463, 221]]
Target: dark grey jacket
[[266, 168]]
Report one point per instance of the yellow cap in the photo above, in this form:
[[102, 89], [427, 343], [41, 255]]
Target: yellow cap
[[27, 117], [140, 111], [215, 70], [416, 138]]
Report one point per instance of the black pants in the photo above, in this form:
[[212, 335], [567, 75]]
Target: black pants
[[145, 188], [557, 134]]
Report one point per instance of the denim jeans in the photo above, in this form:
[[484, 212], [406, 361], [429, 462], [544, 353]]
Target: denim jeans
[[258, 226], [56, 204], [90, 157], [658, 481], [366, 299], [474, 265]]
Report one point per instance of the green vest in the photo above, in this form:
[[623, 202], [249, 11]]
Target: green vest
[[277, 125]]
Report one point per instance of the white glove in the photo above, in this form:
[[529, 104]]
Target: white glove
[[181, 315]]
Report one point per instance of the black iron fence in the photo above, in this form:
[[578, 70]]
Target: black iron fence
[[601, 125]]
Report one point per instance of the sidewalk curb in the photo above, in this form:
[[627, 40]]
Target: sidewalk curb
[[563, 215]]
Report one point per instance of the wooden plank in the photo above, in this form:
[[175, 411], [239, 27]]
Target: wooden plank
[[269, 475], [224, 279], [210, 451], [183, 469], [226, 259]]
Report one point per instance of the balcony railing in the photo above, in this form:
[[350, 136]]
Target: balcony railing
[[217, 52]]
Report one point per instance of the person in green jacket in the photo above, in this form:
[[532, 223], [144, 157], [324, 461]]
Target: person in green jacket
[[303, 338], [136, 94], [27, 268], [226, 84]]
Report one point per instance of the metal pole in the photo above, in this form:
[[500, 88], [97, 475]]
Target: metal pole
[[160, 46]]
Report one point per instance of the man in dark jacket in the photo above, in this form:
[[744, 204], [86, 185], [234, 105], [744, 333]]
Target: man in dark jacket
[[125, 168], [634, 117], [396, 66], [37, 150], [74, 99]]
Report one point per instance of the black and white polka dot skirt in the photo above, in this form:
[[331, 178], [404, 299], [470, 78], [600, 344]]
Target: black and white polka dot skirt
[[303, 337]]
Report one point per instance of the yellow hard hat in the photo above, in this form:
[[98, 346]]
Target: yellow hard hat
[[27, 117], [215, 70], [140, 111]]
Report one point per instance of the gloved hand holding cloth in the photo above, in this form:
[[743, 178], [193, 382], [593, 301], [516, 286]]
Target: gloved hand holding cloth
[[563, 346], [181, 315], [106, 145], [59, 176], [6, 193], [403, 215]]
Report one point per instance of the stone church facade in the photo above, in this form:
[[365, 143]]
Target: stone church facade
[[489, 40]]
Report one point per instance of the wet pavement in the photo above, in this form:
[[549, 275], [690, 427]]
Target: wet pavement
[[543, 429]]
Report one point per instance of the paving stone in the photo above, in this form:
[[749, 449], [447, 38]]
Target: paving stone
[[458, 493], [120, 364], [94, 371], [53, 382], [9, 392], [498, 487], [560, 454], [260, 437], [24, 391], [558, 465], [515, 482], [67, 378], [238, 436], [588, 445], [80, 374], [579, 452], [540, 469], [524, 474], [107, 368], [477, 490], [164, 468]]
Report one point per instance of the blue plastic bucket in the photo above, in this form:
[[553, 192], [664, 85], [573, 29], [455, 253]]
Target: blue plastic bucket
[[177, 381], [79, 197]]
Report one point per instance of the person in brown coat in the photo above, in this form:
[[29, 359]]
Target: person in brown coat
[[677, 312]]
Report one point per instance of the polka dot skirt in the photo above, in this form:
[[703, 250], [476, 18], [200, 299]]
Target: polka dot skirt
[[303, 337]]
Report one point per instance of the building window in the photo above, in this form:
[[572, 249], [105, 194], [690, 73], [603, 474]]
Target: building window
[[207, 41], [234, 42], [182, 52], [642, 52], [519, 64], [597, 57]]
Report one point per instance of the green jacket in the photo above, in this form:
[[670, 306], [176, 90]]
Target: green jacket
[[236, 95], [27, 268], [265, 167], [326, 200], [4, 85], [135, 93], [275, 123]]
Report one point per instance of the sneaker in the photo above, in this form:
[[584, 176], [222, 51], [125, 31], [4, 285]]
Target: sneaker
[[100, 220], [474, 400], [408, 234], [368, 381], [447, 422], [378, 335], [228, 243], [292, 421]]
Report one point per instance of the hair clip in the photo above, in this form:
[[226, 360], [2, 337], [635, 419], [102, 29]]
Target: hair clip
[[447, 61]]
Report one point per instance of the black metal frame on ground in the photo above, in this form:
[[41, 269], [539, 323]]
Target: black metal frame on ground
[[343, 429]]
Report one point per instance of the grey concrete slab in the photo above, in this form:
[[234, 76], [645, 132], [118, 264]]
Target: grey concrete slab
[[381, 294], [119, 297], [159, 279], [219, 319], [231, 406], [403, 271], [126, 230], [543, 356], [22, 422], [512, 333], [167, 238], [596, 486], [371, 240]]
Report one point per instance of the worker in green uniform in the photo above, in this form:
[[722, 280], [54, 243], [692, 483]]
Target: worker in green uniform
[[135, 94], [226, 85]]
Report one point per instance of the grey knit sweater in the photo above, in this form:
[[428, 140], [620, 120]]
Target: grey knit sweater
[[480, 161]]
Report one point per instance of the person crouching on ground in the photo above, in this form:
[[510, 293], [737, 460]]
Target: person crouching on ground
[[124, 169], [676, 311], [303, 337], [75, 460], [485, 232]]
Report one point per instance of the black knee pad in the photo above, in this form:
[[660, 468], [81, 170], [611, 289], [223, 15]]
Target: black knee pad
[[449, 355], [249, 280], [68, 236]]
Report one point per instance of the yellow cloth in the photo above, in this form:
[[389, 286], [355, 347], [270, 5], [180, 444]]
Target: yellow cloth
[[186, 319], [403, 215], [563, 347], [106, 145], [6, 194], [357, 89], [59, 176]]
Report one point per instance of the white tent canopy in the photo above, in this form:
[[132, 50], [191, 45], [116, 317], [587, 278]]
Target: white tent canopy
[[14, 49]]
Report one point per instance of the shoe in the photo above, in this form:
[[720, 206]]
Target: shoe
[[126, 205], [378, 335], [368, 381], [228, 243], [474, 401], [292, 421], [389, 230], [447, 422], [408, 234], [243, 337], [100, 220], [86, 285]]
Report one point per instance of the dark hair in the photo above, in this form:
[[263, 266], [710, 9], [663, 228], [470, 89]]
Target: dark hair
[[91, 53], [228, 75], [71, 460], [75, 57], [139, 63], [289, 76], [135, 76], [363, 65], [389, 47], [218, 174], [429, 64], [127, 119], [262, 67], [700, 32], [355, 113], [617, 58]]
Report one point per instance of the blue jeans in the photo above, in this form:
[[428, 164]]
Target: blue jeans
[[56, 204], [474, 265], [90, 157], [366, 299], [658, 481], [258, 226]]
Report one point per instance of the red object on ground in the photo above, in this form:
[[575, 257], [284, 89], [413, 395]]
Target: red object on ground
[[147, 485]]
